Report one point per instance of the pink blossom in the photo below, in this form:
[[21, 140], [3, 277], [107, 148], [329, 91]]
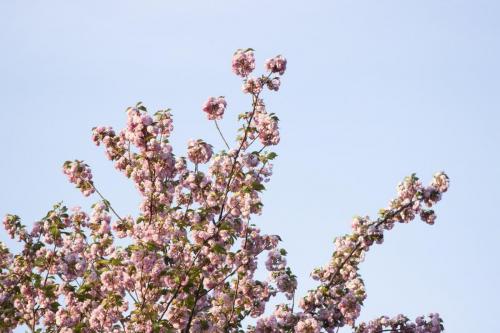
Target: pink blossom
[[267, 128], [274, 83], [276, 65], [79, 174], [199, 152], [307, 325], [214, 107], [252, 86], [243, 62]]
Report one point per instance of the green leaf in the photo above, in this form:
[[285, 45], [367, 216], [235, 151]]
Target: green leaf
[[189, 301], [271, 156], [115, 262], [78, 328], [219, 249], [258, 186], [54, 306], [54, 231]]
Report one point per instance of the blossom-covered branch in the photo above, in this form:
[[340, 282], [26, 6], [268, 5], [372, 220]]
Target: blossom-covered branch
[[186, 261]]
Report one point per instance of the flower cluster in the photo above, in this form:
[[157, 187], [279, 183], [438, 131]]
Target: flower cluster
[[276, 65], [79, 174], [187, 261], [273, 84], [267, 128], [243, 62], [199, 152], [341, 289], [214, 107], [13, 226], [252, 86], [400, 323]]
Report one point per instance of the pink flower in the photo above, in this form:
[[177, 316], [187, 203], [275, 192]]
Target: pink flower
[[79, 174], [441, 182], [214, 107], [307, 325], [243, 62], [199, 152], [267, 127], [428, 216], [275, 261], [276, 65], [273, 84], [252, 86]]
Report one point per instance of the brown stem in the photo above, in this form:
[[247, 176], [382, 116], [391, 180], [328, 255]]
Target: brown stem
[[237, 283], [106, 202], [233, 167], [221, 135], [377, 223], [197, 297]]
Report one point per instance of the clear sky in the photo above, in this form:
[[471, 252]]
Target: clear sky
[[375, 90]]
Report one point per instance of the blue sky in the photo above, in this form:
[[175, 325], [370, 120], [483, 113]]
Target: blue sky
[[375, 90]]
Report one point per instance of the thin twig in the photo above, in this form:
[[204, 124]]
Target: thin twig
[[221, 135], [106, 202]]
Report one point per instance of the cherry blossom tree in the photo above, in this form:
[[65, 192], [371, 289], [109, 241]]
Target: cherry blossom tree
[[187, 261]]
